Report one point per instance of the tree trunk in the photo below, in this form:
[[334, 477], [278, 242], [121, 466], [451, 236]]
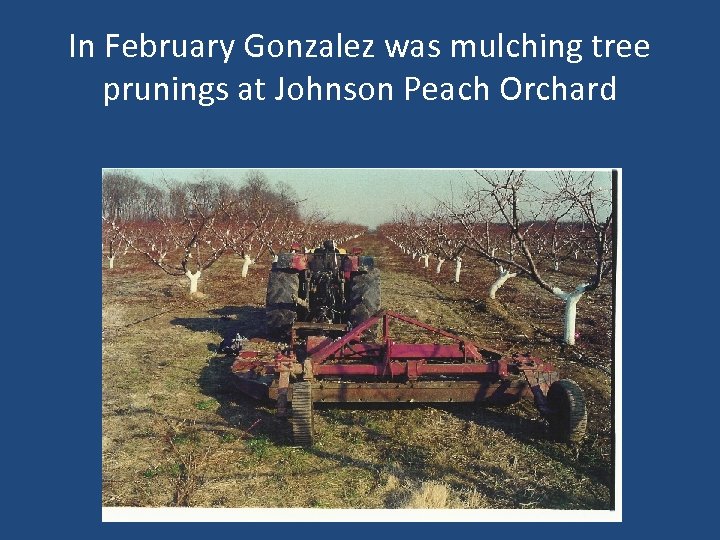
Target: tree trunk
[[439, 265], [458, 265], [247, 261], [571, 300], [500, 281], [426, 260], [111, 261], [193, 277]]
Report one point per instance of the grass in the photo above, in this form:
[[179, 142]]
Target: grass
[[228, 437], [259, 446], [205, 405], [175, 432], [429, 495]]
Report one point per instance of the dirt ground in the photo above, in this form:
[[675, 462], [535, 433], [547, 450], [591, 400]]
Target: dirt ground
[[177, 433]]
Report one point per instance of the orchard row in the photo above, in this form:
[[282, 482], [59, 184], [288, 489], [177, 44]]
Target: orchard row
[[184, 228], [526, 224]]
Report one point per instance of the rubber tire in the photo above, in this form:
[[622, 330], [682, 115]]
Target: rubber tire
[[364, 297], [568, 419], [280, 306], [302, 414]]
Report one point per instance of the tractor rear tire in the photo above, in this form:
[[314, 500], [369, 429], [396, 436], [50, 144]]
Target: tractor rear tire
[[302, 414], [280, 302], [568, 420], [364, 296]]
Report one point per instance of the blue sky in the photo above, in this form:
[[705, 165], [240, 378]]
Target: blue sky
[[364, 196]]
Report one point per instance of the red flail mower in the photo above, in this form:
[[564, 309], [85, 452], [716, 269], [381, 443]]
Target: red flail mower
[[333, 363]]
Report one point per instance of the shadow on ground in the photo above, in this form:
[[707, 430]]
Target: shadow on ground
[[248, 321], [253, 418], [240, 413]]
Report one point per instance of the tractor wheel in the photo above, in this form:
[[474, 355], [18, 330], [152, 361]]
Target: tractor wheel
[[280, 305], [302, 414], [568, 419], [364, 296]]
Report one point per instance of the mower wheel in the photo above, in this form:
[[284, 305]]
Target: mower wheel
[[302, 414], [280, 305], [364, 296], [568, 417]]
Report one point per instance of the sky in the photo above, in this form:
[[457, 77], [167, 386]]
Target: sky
[[364, 196]]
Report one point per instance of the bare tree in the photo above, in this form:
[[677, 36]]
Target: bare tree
[[113, 239], [182, 245], [446, 240], [475, 218], [252, 218], [121, 194], [506, 214], [589, 202]]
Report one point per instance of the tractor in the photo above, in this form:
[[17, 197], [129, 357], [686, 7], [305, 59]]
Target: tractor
[[325, 287]]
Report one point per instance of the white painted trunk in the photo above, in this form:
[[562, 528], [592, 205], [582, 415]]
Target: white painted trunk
[[500, 281], [247, 261], [193, 277], [414, 255], [426, 260], [439, 265], [556, 265], [111, 260], [571, 301], [275, 258], [458, 266]]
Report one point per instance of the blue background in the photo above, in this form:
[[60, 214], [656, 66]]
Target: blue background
[[661, 131]]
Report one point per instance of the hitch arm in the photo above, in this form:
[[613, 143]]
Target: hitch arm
[[539, 383]]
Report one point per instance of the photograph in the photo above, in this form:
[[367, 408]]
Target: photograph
[[362, 339]]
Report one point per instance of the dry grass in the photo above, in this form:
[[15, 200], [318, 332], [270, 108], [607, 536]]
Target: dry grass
[[429, 495], [175, 432]]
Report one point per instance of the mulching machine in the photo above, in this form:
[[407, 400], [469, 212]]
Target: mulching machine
[[336, 363]]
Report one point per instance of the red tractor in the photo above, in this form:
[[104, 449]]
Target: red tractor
[[327, 286]]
